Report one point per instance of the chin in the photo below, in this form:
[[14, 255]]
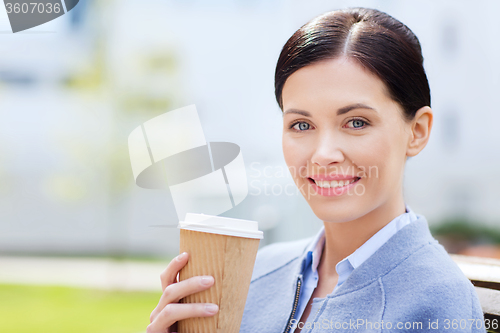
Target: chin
[[334, 214]]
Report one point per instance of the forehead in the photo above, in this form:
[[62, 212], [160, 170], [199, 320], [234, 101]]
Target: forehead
[[334, 83]]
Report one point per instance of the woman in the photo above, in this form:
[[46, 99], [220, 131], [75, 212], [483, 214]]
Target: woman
[[356, 105]]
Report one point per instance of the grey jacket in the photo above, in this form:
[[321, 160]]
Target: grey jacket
[[410, 284]]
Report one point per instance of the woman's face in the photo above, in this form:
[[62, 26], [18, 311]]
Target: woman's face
[[341, 127]]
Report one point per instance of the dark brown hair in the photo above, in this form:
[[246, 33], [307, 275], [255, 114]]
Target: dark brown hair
[[376, 40]]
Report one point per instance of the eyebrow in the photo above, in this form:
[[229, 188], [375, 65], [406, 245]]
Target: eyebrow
[[340, 111]]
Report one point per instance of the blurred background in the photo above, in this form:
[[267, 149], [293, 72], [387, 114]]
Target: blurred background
[[73, 89]]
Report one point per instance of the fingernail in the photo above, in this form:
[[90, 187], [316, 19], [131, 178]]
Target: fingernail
[[211, 308], [181, 256], [207, 280]]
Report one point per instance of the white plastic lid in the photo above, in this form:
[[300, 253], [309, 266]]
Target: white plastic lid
[[221, 225]]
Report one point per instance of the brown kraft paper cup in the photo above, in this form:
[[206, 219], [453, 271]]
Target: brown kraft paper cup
[[230, 260]]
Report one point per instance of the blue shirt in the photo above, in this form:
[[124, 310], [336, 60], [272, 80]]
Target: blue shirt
[[345, 267]]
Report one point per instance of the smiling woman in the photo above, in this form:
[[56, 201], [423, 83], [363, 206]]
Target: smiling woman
[[356, 104], [352, 126]]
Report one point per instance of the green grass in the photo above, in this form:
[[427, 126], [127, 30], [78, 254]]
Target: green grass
[[118, 258], [47, 309]]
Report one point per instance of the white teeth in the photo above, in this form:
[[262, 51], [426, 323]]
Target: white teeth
[[333, 183]]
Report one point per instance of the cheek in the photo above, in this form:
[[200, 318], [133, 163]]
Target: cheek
[[373, 156], [291, 151], [295, 156], [383, 157]]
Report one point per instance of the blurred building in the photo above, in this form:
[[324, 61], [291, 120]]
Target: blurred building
[[72, 90]]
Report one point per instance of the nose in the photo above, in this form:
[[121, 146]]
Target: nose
[[328, 150]]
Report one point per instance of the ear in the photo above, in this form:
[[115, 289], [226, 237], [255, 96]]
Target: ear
[[421, 127]]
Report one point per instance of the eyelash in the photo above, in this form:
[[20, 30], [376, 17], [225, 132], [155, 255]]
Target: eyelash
[[355, 128]]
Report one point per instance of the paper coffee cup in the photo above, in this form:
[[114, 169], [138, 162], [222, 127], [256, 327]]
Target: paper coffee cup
[[224, 248]]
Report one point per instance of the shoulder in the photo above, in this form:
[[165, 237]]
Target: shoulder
[[429, 267], [274, 256], [433, 286], [434, 265]]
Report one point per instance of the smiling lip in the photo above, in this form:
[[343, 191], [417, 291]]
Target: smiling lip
[[333, 191], [333, 177]]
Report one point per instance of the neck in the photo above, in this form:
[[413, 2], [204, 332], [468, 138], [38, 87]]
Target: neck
[[342, 239]]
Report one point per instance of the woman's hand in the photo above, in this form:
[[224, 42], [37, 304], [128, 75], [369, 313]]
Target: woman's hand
[[168, 312]]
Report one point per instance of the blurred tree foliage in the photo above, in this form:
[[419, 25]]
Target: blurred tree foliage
[[467, 230]]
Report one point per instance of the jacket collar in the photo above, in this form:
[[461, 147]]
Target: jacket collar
[[345, 267], [398, 248], [278, 255]]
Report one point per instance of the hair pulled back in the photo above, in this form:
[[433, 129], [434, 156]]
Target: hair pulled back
[[377, 41]]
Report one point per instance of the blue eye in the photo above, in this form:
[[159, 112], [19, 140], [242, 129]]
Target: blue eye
[[357, 123], [303, 126]]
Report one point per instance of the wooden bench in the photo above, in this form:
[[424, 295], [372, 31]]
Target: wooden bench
[[484, 273]]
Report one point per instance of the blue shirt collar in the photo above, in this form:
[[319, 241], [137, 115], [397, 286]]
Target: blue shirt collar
[[315, 247], [355, 259]]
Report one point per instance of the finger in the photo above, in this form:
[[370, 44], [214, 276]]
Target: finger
[[178, 311], [174, 292], [169, 275]]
